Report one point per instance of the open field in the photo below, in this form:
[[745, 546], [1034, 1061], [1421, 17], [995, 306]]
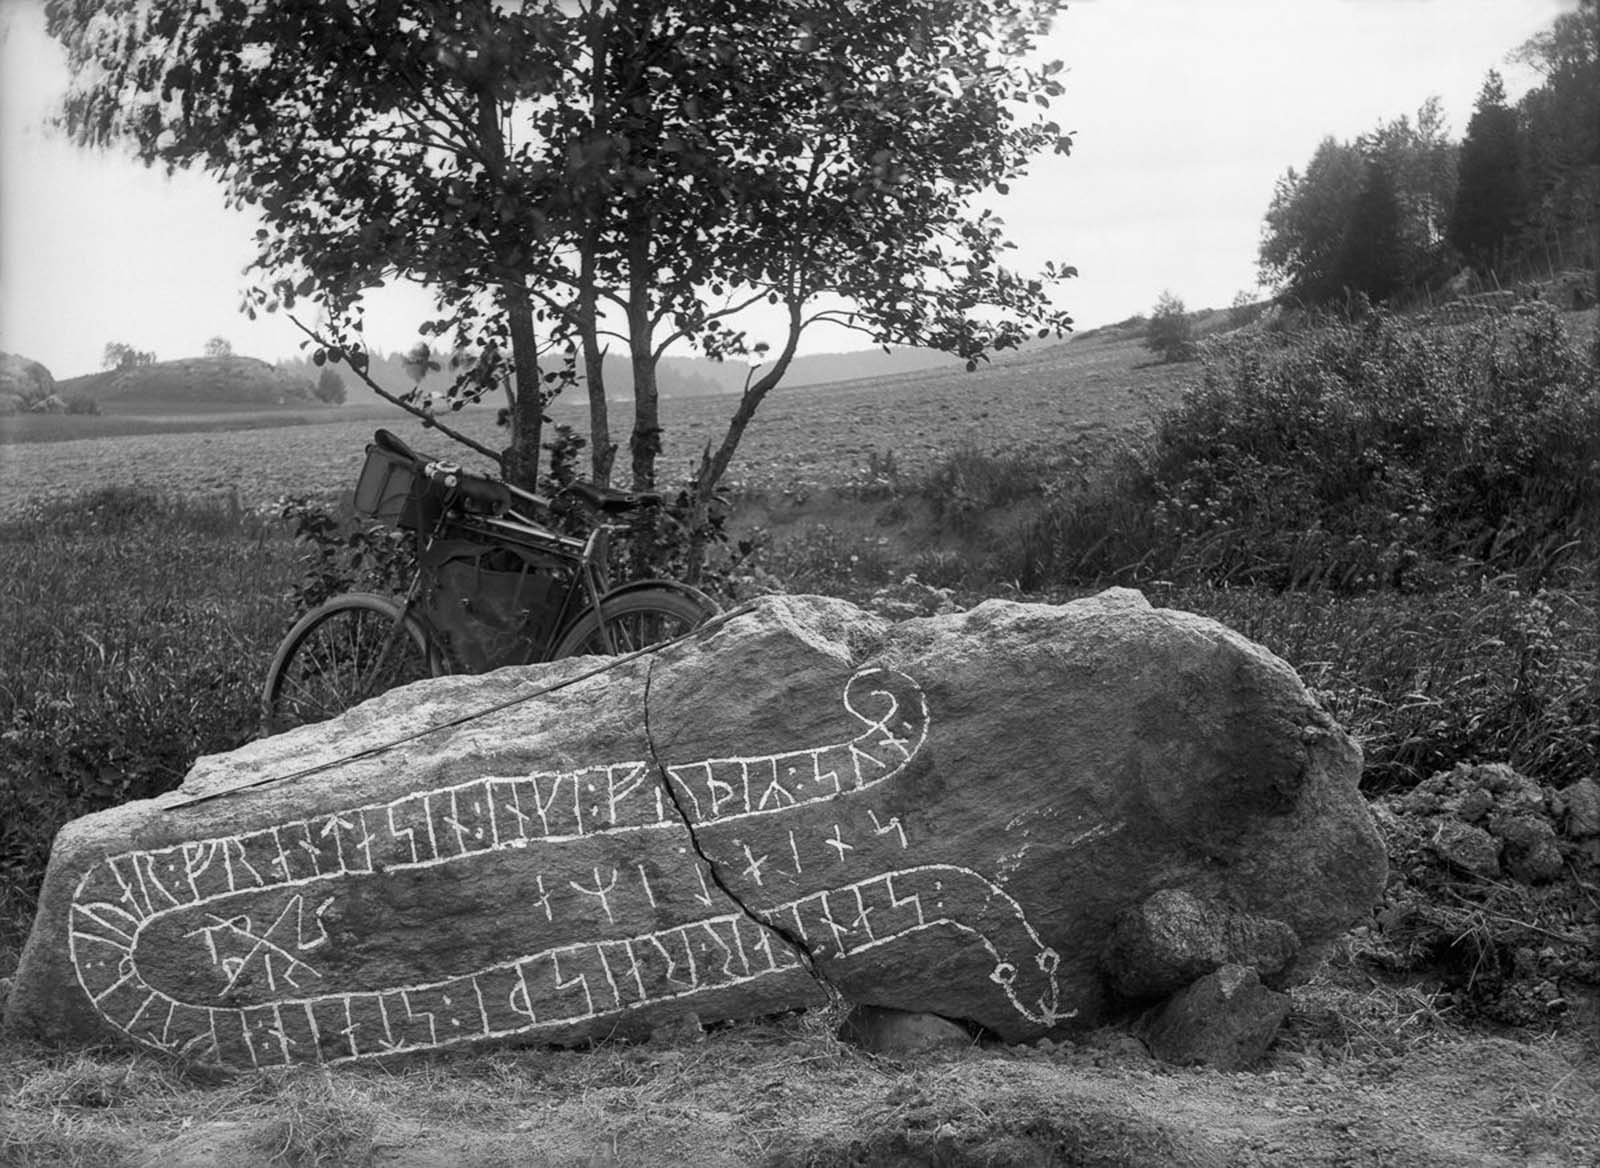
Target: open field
[[1039, 399]]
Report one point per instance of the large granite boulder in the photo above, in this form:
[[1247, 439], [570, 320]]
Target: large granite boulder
[[944, 815]]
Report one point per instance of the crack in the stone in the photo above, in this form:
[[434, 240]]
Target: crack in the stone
[[790, 939]]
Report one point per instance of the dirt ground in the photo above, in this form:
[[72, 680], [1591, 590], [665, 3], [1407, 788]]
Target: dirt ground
[[1358, 1077]]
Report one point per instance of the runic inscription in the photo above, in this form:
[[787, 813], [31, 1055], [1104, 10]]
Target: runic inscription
[[275, 916]]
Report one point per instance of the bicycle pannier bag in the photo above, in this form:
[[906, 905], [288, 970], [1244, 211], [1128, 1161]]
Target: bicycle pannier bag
[[388, 489], [491, 607]]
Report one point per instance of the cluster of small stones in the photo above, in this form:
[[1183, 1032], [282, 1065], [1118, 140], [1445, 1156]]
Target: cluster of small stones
[[1490, 821], [1488, 871]]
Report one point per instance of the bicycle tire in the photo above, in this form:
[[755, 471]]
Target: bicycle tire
[[637, 620], [334, 658]]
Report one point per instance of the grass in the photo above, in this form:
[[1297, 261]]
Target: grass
[[137, 629], [786, 1091]]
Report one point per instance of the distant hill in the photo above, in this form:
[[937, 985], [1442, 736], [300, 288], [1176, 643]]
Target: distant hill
[[230, 381], [681, 376]]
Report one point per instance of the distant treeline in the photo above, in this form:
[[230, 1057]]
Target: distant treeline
[[1405, 208]]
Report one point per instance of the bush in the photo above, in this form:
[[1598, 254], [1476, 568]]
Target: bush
[[1371, 455], [967, 486], [1171, 331]]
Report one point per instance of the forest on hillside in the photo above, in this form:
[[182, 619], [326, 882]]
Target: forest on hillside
[[1406, 209]]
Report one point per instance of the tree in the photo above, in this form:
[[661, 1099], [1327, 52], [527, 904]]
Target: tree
[[563, 175], [219, 347], [1303, 238], [120, 355], [1367, 216], [330, 386], [1370, 261], [1489, 196], [1171, 330], [1419, 161], [1560, 124]]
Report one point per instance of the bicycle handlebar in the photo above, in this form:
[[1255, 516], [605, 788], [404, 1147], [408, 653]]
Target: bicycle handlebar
[[490, 494]]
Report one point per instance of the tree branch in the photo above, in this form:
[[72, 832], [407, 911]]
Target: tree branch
[[424, 416]]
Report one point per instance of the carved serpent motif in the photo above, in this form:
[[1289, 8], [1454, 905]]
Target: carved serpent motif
[[277, 967]]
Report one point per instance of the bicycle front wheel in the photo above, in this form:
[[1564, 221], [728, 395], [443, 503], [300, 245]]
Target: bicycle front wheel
[[338, 655], [635, 620]]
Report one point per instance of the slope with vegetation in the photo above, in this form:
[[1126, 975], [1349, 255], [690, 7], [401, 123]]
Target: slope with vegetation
[[191, 384], [1404, 211]]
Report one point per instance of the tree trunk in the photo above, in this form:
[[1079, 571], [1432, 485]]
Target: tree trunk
[[520, 462], [646, 441], [602, 450], [714, 464]]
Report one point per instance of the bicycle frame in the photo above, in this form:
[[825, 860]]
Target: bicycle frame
[[587, 558], [494, 586]]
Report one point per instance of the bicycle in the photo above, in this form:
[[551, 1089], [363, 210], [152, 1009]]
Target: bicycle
[[493, 586]]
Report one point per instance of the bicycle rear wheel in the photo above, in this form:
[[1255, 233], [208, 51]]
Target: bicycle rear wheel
[[635, 620], [338, 655]]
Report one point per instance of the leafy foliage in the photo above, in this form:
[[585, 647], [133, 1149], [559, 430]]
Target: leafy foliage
[[120, 355], [1365, 217], [1171, 330], [1368, 454], [594, 170], [1520, 192], [330, 386], [1491, 197], [341, 553]]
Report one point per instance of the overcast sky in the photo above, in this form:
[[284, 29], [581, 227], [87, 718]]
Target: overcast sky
[[1186, 111]]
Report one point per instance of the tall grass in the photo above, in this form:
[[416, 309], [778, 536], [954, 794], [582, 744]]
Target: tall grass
[[136, 630]]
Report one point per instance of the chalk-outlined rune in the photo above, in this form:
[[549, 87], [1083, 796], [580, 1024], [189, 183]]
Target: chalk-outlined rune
[[298, 867]]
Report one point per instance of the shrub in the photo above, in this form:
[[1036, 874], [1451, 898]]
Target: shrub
[[1368, 455], [1171, 331], [342, 552], [967, 486]]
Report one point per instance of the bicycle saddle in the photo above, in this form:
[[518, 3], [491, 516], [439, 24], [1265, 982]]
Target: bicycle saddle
[[610, 500]]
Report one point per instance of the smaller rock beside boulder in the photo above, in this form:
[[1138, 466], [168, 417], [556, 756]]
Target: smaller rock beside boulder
[[1226, 1019], [1173, 937]]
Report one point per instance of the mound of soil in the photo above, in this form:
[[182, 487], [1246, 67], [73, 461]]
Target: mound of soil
[[1494, 892]]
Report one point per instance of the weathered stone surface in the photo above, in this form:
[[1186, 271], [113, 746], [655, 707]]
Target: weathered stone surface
[[1168, 940], [1227, 1020], [1583, 809], [1531, 854], [896, 1032], [1467, 847], [944, 816]]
